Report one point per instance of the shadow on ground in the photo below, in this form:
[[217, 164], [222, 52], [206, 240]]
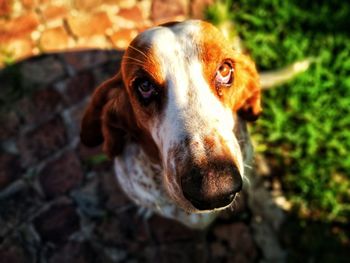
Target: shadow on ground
[[59, 201]]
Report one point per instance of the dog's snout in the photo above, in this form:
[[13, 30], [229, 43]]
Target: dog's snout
[[214, 186]]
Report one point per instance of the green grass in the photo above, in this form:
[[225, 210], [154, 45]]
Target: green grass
[[6, 56], [305, 128]]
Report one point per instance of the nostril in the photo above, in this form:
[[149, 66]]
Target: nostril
[[238, 183], [191, 184]]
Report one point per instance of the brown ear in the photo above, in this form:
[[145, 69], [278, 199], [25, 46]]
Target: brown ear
[[247, 82], [103, 121]]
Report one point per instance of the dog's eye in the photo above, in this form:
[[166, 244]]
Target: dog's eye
[[224, 75], [145, 89]]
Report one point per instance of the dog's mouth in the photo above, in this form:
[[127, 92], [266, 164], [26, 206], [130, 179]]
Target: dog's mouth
[[218, 203]]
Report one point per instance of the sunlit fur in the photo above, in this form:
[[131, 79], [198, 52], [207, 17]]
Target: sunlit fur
[[154, 146]]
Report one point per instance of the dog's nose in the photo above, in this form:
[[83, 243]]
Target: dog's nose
[[214, 186]]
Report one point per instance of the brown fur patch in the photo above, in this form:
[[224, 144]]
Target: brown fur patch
[[244, 94]]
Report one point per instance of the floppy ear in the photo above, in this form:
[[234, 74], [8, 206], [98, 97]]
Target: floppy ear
[[107, 117], [248, 84]]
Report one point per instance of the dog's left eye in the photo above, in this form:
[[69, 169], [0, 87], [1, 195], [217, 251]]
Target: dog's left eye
[[224, 74], [145, 89]]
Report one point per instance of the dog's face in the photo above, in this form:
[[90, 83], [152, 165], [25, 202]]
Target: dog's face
[[180, 93]]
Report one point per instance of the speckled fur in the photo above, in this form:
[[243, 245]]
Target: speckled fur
[[142, 182]]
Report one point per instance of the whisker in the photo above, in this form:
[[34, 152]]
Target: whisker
[[147, 56], [246, 180], [133, 63], [233, 206], [138, 50], [248, 166], [134, 59]]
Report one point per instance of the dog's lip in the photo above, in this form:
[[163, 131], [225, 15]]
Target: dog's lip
[[199, 205], [195, 210], [183, 203]]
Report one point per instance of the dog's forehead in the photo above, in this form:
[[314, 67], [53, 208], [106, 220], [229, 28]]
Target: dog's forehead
[[189, 36], [159, 48], [172, 35]]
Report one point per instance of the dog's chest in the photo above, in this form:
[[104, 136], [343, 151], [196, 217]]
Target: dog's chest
[[140, 179]]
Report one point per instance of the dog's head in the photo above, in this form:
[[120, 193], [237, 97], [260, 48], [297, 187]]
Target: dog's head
[[180, 93]]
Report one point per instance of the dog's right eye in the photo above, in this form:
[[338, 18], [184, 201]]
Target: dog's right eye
[[145, 89], [224, 74]]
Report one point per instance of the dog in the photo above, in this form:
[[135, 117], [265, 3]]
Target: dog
[[174, 120]]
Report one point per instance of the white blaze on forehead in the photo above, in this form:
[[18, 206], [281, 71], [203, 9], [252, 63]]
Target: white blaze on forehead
[[174, 47], [192, 109]]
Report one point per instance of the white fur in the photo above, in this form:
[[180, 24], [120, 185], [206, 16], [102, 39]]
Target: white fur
[[142, 182], [192, 107]]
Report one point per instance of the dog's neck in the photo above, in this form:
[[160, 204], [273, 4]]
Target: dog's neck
[[142, 182]]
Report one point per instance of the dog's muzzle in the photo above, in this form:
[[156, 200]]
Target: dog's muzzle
[[212, 186]]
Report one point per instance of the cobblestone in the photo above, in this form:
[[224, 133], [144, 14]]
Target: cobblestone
[[29, 4], [74, 252], [16, 209], [18, 49], [87, 25], [80, 61], [111, 193], [60, 199], [171, 231], [21, 26], [79, 87], [41, 71], [134, 13], [61, 175], [5, 7], [100, 41], [194, 253], [12, 254], [123, 36], [9, 124], [198, 7], [40, 106], [87, 4], [54, 39], [54, 12], [34, 26], [10, 169], [42, 141], [57, 223], [238, 238], [166, 10], [73, 117]]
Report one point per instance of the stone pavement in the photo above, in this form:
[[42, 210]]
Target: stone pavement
[[32, 27], [59, 201]]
